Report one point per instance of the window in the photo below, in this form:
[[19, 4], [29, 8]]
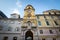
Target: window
[[14, 38], [9, 28], [55, 22], [44, 16], [54, 38], [41, 31], [1, 28], [39, 22], [11, 22], [59, 30], [17, 29], [47, 22], [51, 31], [38, 17], [55, 13], [43, 39], [49, 13], [5, 38]]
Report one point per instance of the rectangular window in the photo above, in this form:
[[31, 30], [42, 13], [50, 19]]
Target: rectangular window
[[39, 22], [59, 30], [55, 13], [55, 22], [44, 16], [41, 31], [49, 13], [1, 28], [50, 31], [43, 39], [9, 28], [47, 22], [5, 38], [54, 38], [38, 17]]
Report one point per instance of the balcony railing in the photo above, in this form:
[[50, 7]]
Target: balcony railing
[[31, 26], [24, 26]]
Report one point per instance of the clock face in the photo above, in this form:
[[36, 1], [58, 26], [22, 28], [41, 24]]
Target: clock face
[[29, 11]]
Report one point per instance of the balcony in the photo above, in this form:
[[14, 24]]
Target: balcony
[[26, 25], [23, 26], [33, 27]]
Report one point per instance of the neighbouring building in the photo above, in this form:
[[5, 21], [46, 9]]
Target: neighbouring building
[[2, 15], [32, 26]]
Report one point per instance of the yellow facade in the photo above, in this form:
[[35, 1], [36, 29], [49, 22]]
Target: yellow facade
[[29, 15]]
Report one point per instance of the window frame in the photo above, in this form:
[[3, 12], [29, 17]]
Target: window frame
[[51, 32], [41, 31], [5, 38], [47, 22], [39, 23]]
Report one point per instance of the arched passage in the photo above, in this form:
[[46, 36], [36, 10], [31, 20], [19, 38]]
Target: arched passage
[[29, 35]]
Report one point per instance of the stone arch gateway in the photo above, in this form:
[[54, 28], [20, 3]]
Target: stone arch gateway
[[29, 35]]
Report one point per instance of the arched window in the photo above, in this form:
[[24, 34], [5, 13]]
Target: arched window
[[17, 29], [9, 28], [14, 38]]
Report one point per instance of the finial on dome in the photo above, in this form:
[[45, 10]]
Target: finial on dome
[[29, 7]]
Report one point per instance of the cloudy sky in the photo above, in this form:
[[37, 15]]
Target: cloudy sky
[[10, 6]]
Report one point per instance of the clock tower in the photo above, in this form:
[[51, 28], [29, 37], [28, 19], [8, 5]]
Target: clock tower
[[29, 11], [29, 16]]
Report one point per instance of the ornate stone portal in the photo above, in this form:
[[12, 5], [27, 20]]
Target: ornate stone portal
[[29, 35]]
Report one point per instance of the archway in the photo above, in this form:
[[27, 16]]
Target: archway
[[29, 35]]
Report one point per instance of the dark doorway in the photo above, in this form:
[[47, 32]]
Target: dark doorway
[[5, 38], [29, 35], [14, 38]]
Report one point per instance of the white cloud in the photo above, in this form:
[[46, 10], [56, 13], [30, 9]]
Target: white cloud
[[19, 4], [15, 11]]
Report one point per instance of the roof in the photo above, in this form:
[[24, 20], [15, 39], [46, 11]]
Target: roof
[[2, 14], [52, 10], [11, 19]]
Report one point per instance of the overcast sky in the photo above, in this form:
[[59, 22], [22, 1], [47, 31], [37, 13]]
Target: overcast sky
[[10, 6]]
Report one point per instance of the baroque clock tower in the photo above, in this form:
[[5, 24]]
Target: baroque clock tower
[[29, 16]]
